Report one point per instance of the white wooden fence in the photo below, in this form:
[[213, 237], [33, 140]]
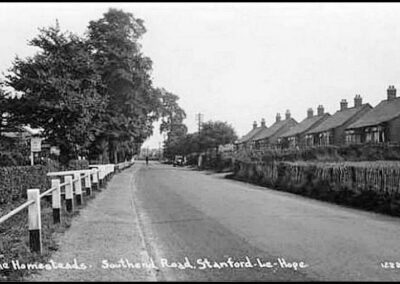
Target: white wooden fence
[[92, 179]]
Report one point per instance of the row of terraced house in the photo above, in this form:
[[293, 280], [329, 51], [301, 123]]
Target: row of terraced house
[[360, 123]]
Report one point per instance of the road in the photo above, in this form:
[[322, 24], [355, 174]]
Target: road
[[193, 214], [158, 216]]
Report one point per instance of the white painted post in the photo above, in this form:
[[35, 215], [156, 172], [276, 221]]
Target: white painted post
[[32, 159], [56, 200], [88, 185], [34, 221], [69, 200], [101, 177], [78, 189], [108, 173], [95, 180]]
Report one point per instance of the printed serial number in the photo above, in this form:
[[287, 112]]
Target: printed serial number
[[390, 265]]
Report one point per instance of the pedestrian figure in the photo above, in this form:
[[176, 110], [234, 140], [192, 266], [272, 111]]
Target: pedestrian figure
[[147, 160]]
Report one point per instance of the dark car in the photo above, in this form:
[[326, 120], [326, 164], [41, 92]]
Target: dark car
[[178, 161]]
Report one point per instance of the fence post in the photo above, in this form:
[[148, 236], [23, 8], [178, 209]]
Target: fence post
[[34, 221], [56, 200], [69, 200], [78, 189], [105, 173], [88, 185], [95, 180], [101, 177], [108, 167]]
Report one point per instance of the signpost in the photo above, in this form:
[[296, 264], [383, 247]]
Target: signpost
[[36, 146]]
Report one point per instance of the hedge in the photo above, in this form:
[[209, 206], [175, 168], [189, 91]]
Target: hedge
[[370, 185], [78, 164], [14, 181]]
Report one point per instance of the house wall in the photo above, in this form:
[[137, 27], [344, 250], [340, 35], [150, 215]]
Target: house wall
[[394, 130], [263, 143], [339, 134], [274, 138], [302, 136]]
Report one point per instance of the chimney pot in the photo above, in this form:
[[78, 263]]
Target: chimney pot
[[278, 117], [263, 122], [391, 93], [320, 110], [254, 124], [343, 104], [357, 101], [310, 113], [287, 114]]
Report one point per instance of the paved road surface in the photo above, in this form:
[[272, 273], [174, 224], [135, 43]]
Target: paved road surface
[[167, 215], [193, 214]]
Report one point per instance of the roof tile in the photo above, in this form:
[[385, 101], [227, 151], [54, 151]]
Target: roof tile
[[384, 111], [272, 129], [338, 118], [304, 125]]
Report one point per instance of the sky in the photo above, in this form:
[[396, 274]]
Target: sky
[[241, 62]]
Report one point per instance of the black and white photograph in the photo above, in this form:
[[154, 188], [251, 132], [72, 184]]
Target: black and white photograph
[[206, 141]]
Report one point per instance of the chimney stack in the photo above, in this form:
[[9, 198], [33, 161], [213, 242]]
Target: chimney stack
[[357, 101], [391, 93], [278, 117], [343, 104], [320, 110], [310, 113], [262, 122], [287, 114], [254, 124]]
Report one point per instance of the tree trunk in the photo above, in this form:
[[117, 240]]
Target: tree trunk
[[115, 156]]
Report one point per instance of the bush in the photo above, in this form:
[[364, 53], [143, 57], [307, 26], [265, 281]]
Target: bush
[[7, 160], [14, 181], [78, 164]]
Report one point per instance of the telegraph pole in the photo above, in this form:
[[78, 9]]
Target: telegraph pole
[[199, 119]]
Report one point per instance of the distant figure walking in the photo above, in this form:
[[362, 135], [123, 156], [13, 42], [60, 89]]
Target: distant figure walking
[[147, 160]]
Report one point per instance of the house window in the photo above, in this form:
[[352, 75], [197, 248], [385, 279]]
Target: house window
[[309, 140], [325, 138], [375, 134], [292, 142], [352, 137]]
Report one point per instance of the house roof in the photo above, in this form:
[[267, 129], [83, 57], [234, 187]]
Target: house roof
[[251, 134], [304, 125], [268, 132], [338, 118], [384, 111]]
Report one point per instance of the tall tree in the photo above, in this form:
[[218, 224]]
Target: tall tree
[[60, 91], [215, 133], [172, 124], [133, 103]]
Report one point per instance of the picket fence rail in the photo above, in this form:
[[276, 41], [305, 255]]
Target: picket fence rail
[[93, 178]]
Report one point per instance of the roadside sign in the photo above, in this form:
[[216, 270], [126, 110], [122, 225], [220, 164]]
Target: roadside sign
[[36, 144]]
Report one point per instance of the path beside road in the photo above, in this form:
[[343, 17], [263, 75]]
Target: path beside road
[[106, 229]]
